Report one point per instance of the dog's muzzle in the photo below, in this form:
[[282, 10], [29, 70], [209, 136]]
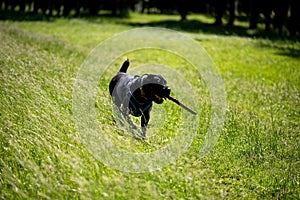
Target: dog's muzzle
[[161, 94]]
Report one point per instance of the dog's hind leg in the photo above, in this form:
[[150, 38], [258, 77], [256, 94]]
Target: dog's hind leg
[[144, 122], [126, 115]]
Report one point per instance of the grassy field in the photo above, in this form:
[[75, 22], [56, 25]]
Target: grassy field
[[42, 155]]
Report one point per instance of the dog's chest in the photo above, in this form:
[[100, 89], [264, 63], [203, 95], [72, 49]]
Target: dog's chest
[[137, 108]]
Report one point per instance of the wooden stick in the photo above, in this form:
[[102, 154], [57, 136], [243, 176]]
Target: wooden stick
[[182, 105]]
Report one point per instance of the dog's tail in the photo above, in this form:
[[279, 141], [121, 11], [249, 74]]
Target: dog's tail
[[124, 66]]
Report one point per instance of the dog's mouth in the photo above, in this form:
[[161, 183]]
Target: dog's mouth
[[163, 94], [158, 99]]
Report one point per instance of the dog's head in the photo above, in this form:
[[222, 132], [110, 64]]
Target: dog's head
[[154, 87]]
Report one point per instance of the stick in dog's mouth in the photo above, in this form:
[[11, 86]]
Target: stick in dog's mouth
[[182, 105]]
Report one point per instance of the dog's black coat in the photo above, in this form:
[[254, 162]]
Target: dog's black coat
[[134, 94]]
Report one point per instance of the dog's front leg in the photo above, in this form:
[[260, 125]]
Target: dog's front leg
[[144, 122], [126, 115]]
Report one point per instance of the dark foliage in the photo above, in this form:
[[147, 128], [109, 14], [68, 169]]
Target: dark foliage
[[275, 14]]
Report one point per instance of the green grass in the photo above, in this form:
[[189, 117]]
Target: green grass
[[42, 155]]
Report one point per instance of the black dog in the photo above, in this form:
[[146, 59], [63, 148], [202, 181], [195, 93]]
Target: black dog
[[134, 94]]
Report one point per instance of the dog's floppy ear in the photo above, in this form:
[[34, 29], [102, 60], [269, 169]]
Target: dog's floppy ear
[[143, 80]]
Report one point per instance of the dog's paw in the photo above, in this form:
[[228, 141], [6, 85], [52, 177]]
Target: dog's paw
[[142, 137], [137, 134]]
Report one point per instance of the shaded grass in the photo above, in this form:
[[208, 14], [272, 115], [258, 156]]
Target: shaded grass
[[41, 153]]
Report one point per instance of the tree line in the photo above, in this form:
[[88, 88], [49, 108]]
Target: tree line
[[275, 14]]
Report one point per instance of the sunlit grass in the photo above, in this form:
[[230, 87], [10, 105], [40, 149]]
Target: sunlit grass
[[41, 153]]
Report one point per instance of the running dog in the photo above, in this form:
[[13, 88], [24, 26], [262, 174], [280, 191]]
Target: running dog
[[133, 95]]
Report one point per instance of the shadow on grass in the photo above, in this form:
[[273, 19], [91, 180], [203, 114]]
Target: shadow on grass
[[30, 16], [285, 46], [290, 53], [288, 48], [19, 16], [194, 26]]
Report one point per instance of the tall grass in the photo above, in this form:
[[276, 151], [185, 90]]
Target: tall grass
[[42, 155]]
